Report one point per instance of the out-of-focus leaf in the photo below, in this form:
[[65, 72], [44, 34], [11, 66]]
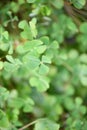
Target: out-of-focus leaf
[[46, 124]]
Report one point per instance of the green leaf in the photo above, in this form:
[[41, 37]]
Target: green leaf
[[21, 2], [83, 74], [79, 3], [33, 27], [43, 69], [1, 65], [78, 101], [31, 1], [41, 49], [83, 80], [45, 10], [83, 58], [26, 33], [32, 45], [13, 65], [46, 124], [46, 59], [16, 102], [54, 45], [14, 6], [83, 28], [50, 47], [28, 105], [45, 40], [10, 58], [4, 95], [71, 27], [31, 61], [40, 83], [6, 35], [58, 3], [22, 24], [4, 122]]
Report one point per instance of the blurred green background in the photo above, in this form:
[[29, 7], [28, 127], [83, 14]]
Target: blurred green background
[[43, 64]]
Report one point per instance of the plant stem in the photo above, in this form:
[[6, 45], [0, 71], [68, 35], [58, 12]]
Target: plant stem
[[29, 124]]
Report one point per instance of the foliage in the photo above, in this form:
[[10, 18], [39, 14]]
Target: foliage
[[43, 65]]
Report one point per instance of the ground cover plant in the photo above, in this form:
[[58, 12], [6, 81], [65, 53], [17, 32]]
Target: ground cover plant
[[43, 65]]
